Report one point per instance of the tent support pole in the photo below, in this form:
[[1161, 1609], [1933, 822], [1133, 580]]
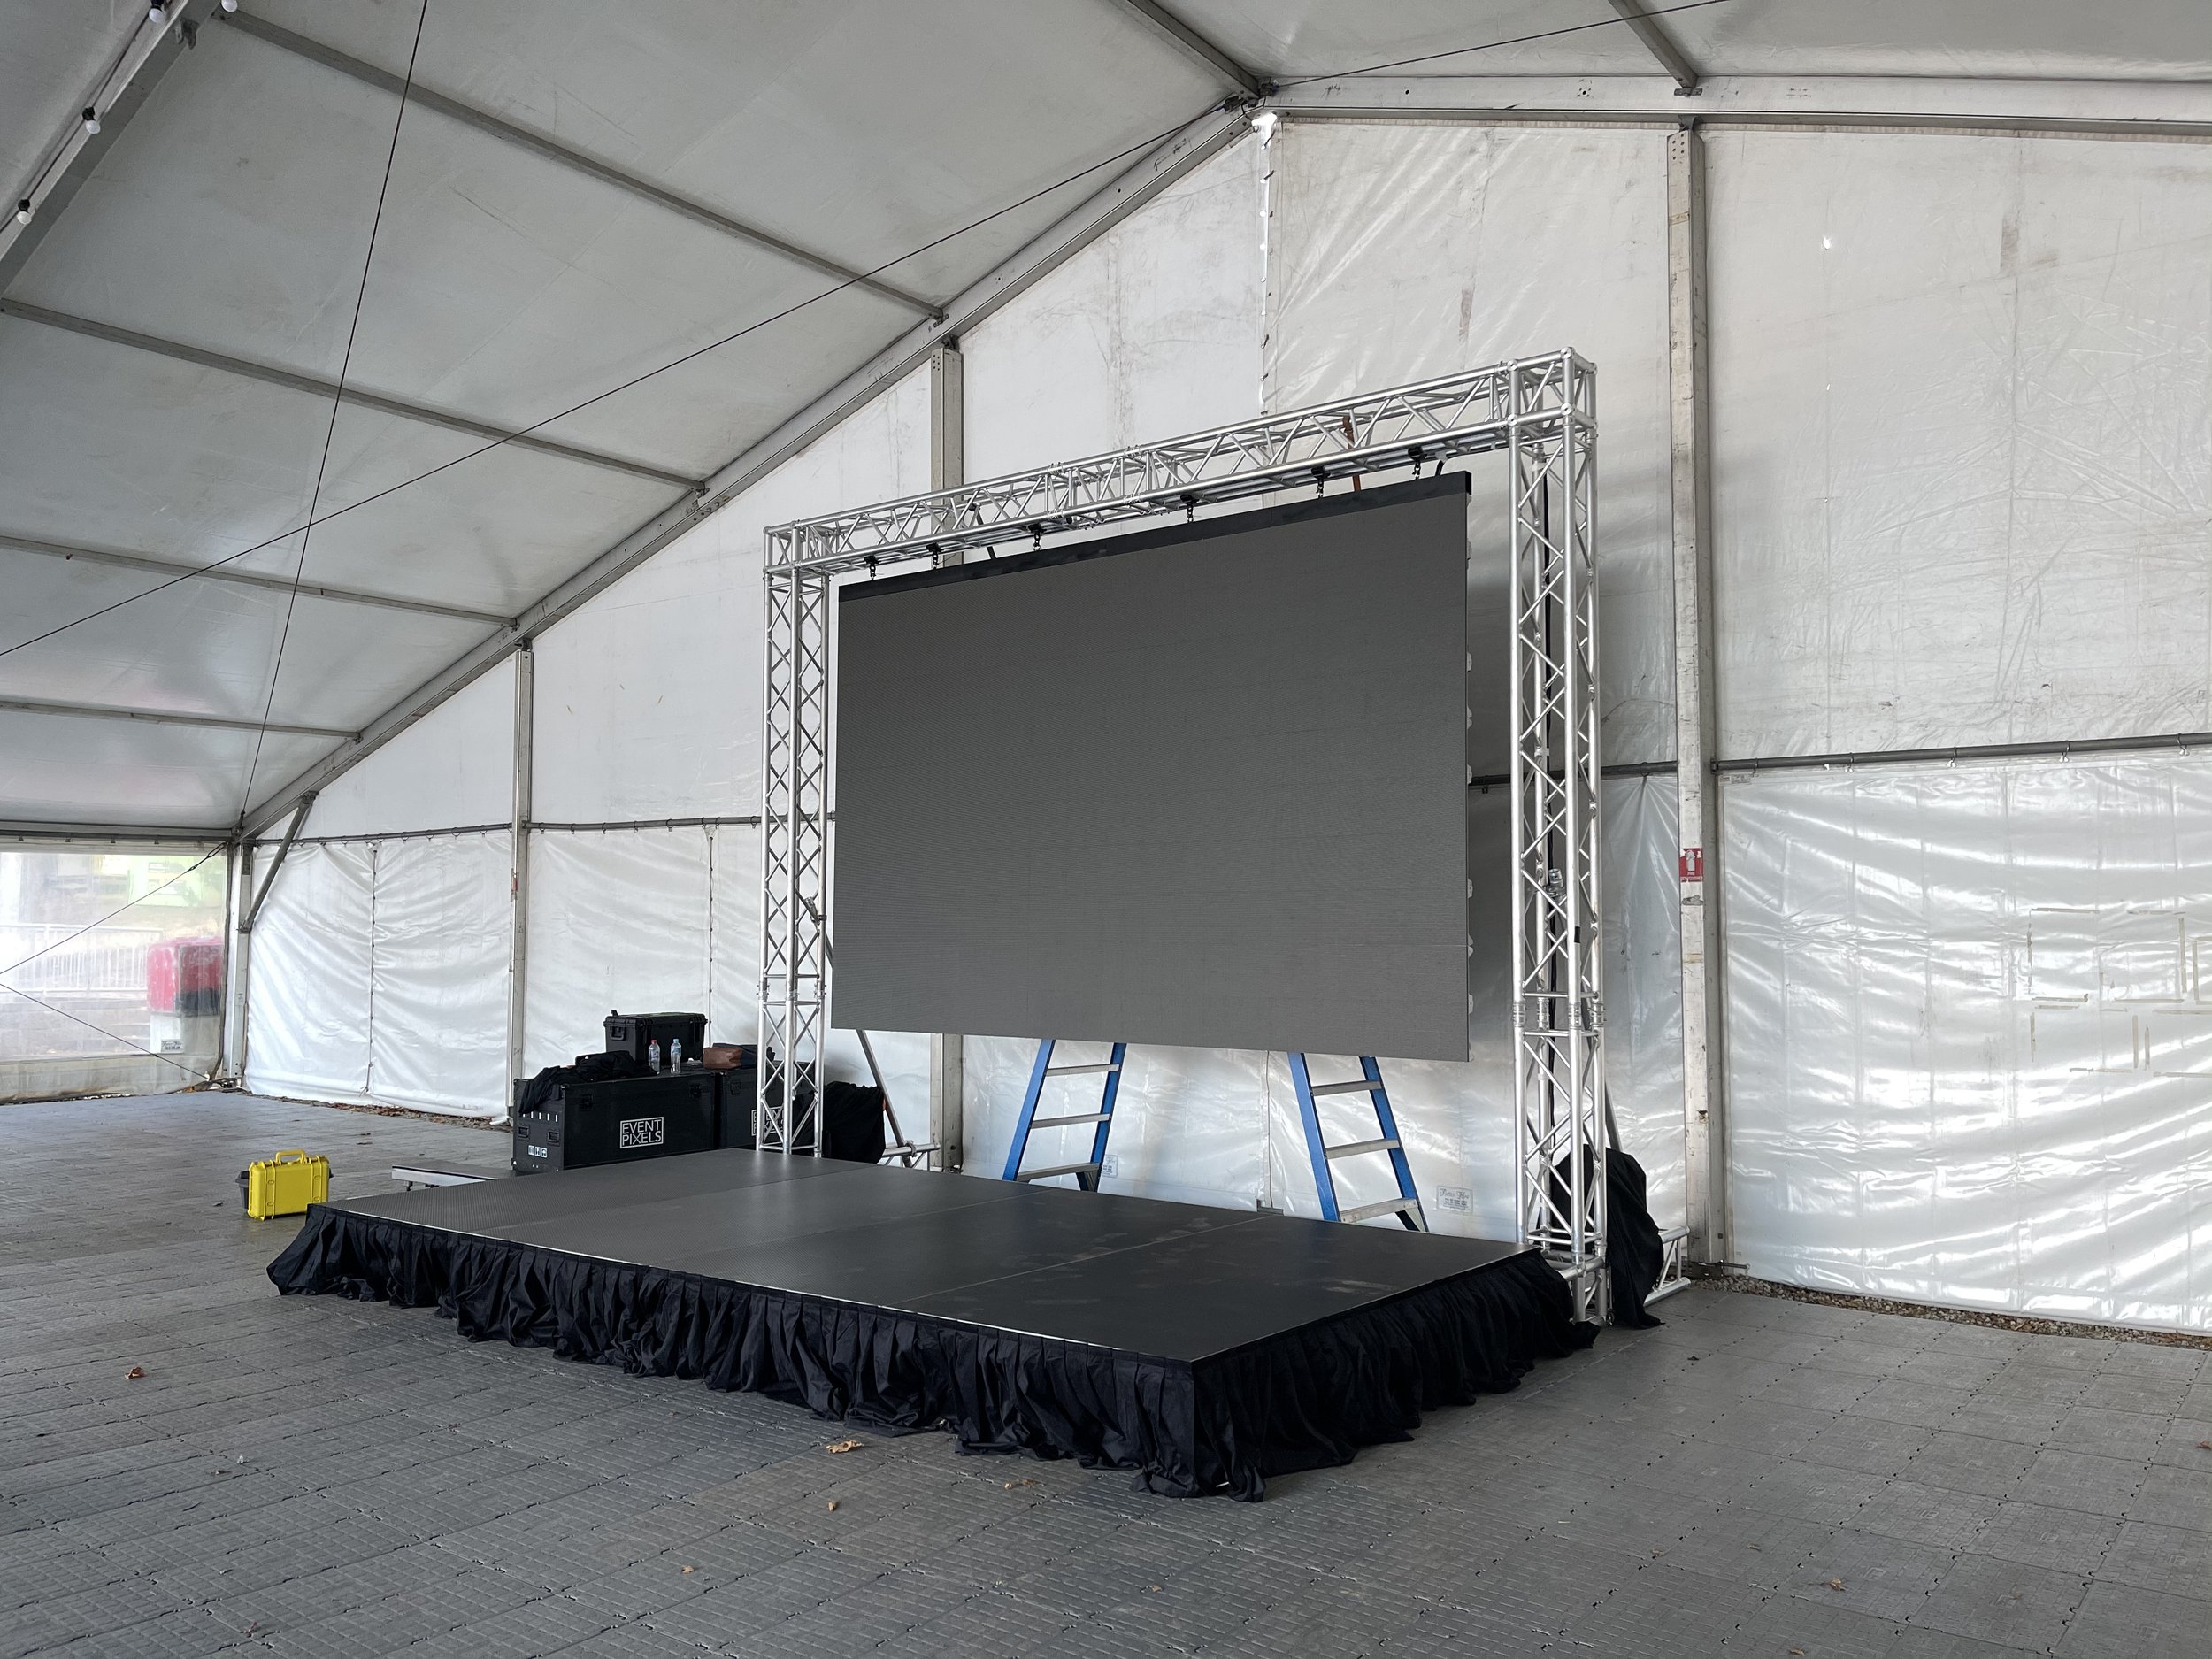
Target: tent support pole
[[948, 467], [249, 900], [1704, 1038], [519, 858]]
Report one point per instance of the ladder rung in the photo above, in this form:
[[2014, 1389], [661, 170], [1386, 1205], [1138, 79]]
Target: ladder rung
[[1352, 1149], [1388, 1207], [1057, 1169], [1081, 1118], [1357, 1085], [1077, 1070]]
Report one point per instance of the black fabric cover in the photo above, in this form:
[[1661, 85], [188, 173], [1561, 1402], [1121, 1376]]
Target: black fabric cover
[[1307, 1398], [852, 1118], [1633, 1254], [538, 1095]]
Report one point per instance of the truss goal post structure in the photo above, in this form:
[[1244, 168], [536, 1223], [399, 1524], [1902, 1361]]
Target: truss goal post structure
[[1542, 411]]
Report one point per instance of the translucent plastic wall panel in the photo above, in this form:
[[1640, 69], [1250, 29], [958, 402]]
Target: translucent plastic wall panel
[[1961, 391], [453, 767], [80, 928], [438, 991], [648, 697], [1152, 331], [1397, 252], [309, 1003], [617, 920], [1970, 1034]]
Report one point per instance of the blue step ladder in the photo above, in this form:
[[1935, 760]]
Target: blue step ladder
[[1407, 1205], [1086, 1172]]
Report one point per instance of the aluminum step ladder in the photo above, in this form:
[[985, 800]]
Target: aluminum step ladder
[[1407, 1205], [1086, 1172]]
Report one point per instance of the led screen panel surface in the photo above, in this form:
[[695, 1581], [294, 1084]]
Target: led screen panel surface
[[1202, 785]]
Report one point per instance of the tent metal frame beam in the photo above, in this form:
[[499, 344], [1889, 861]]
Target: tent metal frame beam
[[538, 144], [200, 836], [246, 579], [1159, 168], [76, 153], [1310, 102], [291, 379], [1661, 44], [163, 716], [1215, 58]]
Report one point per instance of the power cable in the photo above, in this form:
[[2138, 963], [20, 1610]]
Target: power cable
[[330, 428], [752, 328]]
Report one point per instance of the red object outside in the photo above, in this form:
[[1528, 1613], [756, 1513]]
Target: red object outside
[[184, 976], [1693, 863]]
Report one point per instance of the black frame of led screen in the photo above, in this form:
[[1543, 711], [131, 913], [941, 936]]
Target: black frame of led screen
[[1214, 798]]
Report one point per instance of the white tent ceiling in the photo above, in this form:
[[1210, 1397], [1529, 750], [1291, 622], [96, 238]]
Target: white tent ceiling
[[166, 333]]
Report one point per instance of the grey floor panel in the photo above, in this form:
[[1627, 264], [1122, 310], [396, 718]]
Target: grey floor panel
[[402, 1491]]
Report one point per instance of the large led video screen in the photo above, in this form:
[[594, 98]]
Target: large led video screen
[[1202, 786]]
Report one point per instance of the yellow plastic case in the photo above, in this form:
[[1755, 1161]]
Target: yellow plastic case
[[286, 1185]]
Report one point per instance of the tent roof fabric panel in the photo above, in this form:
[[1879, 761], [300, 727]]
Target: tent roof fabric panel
[[231, 213]]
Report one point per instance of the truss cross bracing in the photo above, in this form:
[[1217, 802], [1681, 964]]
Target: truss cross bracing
[[1542, 411]]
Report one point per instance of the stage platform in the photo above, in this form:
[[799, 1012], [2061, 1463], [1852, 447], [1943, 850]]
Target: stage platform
[[1205, 1349]]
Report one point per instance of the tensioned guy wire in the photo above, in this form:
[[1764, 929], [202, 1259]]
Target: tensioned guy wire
[[330, 427], [190, 572]]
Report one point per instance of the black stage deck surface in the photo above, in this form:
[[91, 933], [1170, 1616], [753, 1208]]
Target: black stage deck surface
[[1204, 1348]]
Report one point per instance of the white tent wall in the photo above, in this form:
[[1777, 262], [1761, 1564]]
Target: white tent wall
[[380, 963], [453, 768], [1961, 392], [308, 1009], [380, 974], [1972, 1014], [1962, 397]]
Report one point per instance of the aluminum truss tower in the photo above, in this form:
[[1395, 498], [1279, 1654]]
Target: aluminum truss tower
[[1558, 947], [1542, 411]]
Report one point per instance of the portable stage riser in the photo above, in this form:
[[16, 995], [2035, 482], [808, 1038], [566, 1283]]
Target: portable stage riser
[[1205, 1349]]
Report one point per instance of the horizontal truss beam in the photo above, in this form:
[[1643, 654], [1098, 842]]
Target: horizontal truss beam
[[560, 155], [246, 579], [162, 717], [269, 374], [1429, 424]]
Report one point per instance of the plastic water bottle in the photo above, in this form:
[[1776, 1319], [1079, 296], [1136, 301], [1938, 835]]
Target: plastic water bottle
[[675, 1054], [653, 1056]]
